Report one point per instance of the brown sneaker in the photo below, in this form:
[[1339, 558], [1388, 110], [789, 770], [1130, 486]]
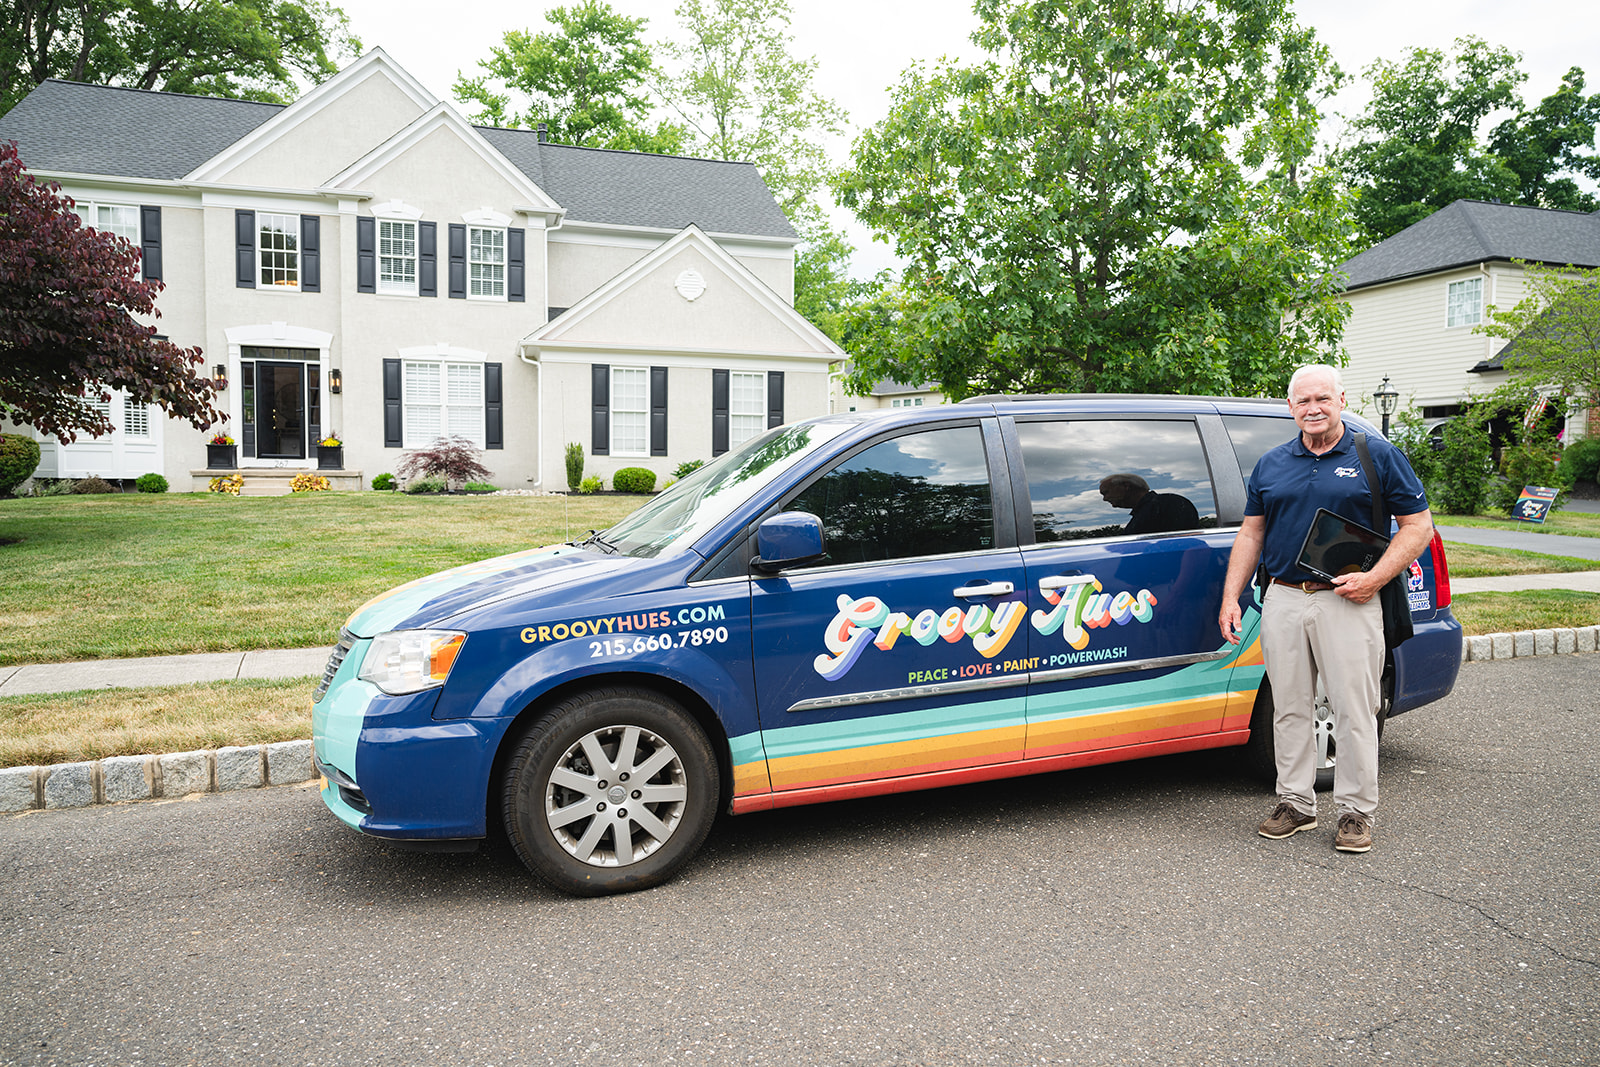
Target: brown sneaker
[[1355, 833], [1285, 820]]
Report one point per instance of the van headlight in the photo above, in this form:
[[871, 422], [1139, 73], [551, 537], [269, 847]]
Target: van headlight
[[409, 661]]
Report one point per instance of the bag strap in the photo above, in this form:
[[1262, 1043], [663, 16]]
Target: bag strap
[[1379, 518]]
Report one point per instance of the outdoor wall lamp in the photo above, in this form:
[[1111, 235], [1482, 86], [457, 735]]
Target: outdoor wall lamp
[[335, 381], [219, 376], [1387, 397]]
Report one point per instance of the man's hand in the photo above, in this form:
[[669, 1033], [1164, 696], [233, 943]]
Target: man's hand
[[1410, 540], [1228, 621], [1358, 588]]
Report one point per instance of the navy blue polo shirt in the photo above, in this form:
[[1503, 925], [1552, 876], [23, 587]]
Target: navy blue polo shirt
[[1290, 483]]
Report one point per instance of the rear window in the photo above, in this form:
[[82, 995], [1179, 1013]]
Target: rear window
[[1254, 436]]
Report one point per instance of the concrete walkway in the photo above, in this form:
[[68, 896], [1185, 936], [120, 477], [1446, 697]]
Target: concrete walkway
[[162, 670]]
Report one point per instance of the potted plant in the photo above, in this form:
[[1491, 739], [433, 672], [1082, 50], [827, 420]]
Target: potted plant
[[222, 454], [330, 453]]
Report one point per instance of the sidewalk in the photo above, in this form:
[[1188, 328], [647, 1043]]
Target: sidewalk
[[162, 670]]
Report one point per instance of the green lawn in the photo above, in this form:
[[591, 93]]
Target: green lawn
[[1484, 561], [1570, 523]]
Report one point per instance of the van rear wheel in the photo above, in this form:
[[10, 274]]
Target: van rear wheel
[[610, 791]]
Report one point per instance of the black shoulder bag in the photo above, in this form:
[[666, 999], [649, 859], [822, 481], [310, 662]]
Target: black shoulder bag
[[1396, 606]]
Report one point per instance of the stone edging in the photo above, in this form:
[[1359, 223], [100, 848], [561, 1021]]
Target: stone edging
[[121, 778], [1526, 643]]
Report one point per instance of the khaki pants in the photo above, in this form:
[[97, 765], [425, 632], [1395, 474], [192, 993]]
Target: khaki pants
[[1306, 636]]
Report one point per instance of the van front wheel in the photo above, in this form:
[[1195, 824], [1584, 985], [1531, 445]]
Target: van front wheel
[[610, 791]]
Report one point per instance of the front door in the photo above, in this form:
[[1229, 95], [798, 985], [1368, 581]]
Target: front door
[[280, 410]]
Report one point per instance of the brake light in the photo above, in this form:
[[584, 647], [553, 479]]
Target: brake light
[[1441, 571]]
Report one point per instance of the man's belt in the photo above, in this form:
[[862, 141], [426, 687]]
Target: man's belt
[[1305, 587]]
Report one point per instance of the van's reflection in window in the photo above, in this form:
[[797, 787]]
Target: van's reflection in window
[[924, 494], [1091, 478]]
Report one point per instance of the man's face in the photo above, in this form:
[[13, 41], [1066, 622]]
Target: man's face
[[1118, 496], [1317, 405]]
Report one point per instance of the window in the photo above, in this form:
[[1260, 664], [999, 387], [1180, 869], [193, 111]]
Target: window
[[278, 246], [135, 418], [443, 400], [906, 402], [747, 407], [940, 476], [397, 257], [119, 219], [1464, 304], [486, 263], [1089, 478], [630, 411]]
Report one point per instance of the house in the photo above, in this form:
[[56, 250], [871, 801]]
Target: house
[[886, 394], [1416, 297], [366, 262]]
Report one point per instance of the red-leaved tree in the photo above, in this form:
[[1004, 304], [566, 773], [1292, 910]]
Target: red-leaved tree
[[68, 333]]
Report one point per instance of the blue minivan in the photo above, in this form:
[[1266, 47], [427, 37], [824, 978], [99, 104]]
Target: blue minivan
[[853, 605]]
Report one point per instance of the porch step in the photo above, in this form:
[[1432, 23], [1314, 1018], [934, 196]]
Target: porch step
[[275, 482]]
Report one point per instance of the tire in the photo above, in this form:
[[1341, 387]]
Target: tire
[[609, 792], [1259, 751]]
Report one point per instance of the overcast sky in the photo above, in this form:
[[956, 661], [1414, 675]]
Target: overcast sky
[[861, 46]]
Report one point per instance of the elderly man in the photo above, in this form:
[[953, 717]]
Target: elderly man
[[1152, 512], [1312, 628]]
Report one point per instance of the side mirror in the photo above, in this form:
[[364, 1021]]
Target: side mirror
[[788, 540]]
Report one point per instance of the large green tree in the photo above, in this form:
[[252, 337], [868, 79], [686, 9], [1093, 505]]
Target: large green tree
[[587, 81], [1118, 198], [250, 49], [1420, 144]]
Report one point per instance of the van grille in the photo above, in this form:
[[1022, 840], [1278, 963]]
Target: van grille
[[340, 651]]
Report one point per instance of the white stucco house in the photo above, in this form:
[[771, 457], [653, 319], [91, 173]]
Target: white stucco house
[[365, 261], [1416, 298]]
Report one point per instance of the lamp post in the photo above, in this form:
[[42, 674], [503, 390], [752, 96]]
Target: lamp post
[[1387, 397]]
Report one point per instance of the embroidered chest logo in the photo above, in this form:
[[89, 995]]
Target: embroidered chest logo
[[1347, 472]]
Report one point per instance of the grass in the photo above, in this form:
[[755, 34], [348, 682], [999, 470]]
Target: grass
[[100, 577], [1530, 609], [1483, 561], [1569, 523]]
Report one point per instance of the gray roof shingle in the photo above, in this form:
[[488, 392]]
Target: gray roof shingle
[[1473, 231], [95, 129]]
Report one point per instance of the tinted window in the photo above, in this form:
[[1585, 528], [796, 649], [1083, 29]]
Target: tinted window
[[1105, 479], [924, 494], [1254, 435]]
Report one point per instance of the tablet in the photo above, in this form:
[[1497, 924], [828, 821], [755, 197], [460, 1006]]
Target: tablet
[[1334, 545]]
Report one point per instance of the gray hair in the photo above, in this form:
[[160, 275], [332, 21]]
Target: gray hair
[[1316, 368], [1125, 481]]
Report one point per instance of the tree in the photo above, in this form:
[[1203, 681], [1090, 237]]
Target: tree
[[588, 83], [1117, 199], [249, 49], [1420, 148], [1553, 333], [68, 297]]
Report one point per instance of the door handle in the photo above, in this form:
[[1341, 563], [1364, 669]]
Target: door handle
[[1060, 581], [986, 589]]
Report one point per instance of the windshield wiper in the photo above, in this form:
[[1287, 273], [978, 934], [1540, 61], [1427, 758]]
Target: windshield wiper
[[599, 542]]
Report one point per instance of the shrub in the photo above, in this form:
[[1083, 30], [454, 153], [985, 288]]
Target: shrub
[[574, 466], [306, 482], [150, 483], [592, 484], [683, 470], [52, 486], [1464, 468], [19, 458], [227, 484], [426, 485], [94, 485], [481, 487], [455, 459], [1531, 461], [384, 481], [1581, 460], [634, 480]]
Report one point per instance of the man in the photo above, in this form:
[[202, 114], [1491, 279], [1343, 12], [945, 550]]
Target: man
[[1312, 628], [1152, 512]]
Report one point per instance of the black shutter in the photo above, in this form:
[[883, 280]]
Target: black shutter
[[391, 404], [427, 259], [658, 411], [310, 253], [600, 410], [244, 251], [493, 411], [366, 255], [719, 412], [458, 261], [774, 398], [516, 272], [150, 242]]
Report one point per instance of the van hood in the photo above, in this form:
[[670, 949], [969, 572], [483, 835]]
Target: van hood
[[433, 599]]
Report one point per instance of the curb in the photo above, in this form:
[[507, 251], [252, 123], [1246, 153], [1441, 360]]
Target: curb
[[1525, 643], [117, 779]]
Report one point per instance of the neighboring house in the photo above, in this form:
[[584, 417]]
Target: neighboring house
[[366, 261], [887, 394], [1415, 298]]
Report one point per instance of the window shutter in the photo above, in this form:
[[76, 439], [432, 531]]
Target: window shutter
[[391, 404], [719, 412], [658, 411], [150, 242], [244, 240], [366, 255], [493, 410], [600, 412], [458, 261], [516, 272], [774, 398], [427, 259], [310, 253]]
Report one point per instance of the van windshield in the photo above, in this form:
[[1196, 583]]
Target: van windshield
[[679, 515]]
